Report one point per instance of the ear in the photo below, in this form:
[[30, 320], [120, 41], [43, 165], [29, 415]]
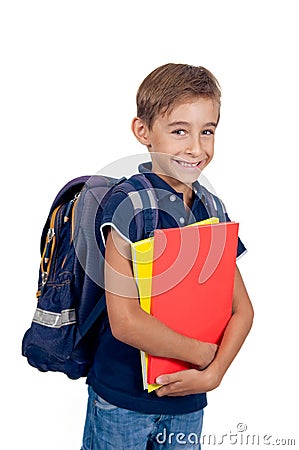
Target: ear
[[141, 131]]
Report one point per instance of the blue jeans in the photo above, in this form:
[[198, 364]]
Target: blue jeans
[[108, 427]]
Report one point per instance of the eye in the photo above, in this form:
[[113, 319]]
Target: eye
[[179, 132], [208, 132]]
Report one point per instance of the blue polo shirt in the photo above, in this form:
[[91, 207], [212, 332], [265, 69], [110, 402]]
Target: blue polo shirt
[[116, 372]]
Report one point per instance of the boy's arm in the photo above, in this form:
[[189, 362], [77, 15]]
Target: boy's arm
[[130, 324], [195, 381]]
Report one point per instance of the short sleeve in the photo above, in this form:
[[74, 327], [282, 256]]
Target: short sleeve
[[241, 249], [119, 214]]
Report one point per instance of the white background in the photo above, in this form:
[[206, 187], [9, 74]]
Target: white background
[[69, 74]]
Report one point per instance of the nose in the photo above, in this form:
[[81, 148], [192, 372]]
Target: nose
[[194, 148]]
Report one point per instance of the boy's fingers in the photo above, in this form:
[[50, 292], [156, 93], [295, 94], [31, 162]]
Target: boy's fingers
[[169, 378], [163, 379], [171, 384], [172, 389]]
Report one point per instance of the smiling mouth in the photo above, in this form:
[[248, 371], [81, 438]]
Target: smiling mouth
[[189, 165]]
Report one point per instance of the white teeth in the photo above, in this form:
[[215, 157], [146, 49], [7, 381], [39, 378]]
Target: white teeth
[[185, 164]]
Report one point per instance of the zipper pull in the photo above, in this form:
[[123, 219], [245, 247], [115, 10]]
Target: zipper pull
[[50, 235], [69, 208]]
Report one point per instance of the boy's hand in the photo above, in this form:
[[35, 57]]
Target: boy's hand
[[187, 382], [207, 353]]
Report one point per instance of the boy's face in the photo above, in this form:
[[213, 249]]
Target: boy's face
[[181, 142]]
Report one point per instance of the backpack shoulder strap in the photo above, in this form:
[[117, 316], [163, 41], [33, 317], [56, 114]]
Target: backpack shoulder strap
[[150, 203], [138, 185], [142, 195], [213, 204]]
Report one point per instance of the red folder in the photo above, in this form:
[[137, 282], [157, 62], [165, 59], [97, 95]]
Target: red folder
[[192, 285]]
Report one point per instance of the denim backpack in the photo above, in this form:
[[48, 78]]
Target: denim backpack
[[71, 305]]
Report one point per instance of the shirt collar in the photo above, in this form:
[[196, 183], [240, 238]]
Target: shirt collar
[[162, 188]]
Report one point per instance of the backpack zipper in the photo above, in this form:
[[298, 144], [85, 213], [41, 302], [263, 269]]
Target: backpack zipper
[[49, 248], [69, 208], [48, 252], [70, 212]]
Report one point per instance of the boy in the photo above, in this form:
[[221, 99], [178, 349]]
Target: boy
[[178, 109]]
